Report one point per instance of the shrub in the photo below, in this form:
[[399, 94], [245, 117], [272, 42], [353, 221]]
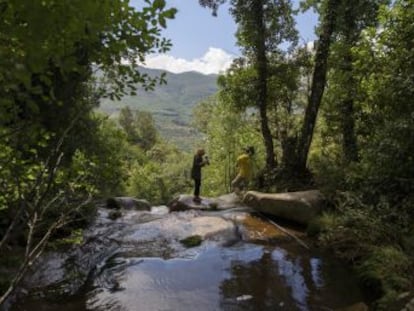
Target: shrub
[[386, 272]]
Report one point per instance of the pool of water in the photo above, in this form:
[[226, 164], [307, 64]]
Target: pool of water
[[243, 276]]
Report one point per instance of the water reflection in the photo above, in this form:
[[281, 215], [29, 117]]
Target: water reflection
[[139, 274], [243, 277], [273, 281], [279, 280]]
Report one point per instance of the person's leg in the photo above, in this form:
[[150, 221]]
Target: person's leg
[[236, 184], [244, 183], [243, 187], [197, 185]]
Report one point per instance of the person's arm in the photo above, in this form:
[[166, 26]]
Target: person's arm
[[238, 162], [199, 161], [206, 160]]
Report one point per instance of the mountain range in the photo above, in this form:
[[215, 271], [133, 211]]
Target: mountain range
[[171, 104]]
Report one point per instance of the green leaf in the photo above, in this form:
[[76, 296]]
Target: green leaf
[[162, 22], [170, 13], [159, 4]]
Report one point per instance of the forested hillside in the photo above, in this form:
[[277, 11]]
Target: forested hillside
[[171, 103]]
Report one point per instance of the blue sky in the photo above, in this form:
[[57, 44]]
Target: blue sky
[[205, 43]]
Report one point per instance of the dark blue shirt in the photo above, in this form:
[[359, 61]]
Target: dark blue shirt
[[197, 165]]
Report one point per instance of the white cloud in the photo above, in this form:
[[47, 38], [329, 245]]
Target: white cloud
[[310, 46], [215, 60]]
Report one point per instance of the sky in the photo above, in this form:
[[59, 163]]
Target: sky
[[207, 44]]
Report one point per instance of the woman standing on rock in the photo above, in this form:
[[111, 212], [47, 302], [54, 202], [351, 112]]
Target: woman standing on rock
[[198, 162]]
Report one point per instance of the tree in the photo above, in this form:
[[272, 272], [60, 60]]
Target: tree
[[146, 129], [127, 122], [353, 18], [285, 98], [223, 148], [51, 50], [57, 59], [262, 27], [329, 18], [139, 127], [288, 89], [385, 62]]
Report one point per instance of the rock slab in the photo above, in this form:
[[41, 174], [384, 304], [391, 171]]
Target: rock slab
[[300, 207]]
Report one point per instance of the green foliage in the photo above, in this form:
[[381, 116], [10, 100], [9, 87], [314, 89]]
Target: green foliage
[[390, 144], [370, 236], [285, 90], [278, 25], [322, 224], [163, 174], [106, 142], [237, 86], [139, 127], [362, 152], [52, 145], [47, 54], [8, 263], [263, 27], [75, 238], [126, 121], [353, 229], [224, 148], [386, 271], [55, 152], [325, 159], [49, 47]]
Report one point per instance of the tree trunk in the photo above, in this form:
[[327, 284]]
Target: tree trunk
[[262, 72], [350, 146], [318, 83], [349, 139]]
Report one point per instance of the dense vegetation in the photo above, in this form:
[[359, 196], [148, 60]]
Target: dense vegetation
[[351, 97], [57, 59], [338, 117]]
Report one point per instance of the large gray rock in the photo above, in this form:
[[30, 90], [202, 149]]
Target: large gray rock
[[185, 202], [300, 207]]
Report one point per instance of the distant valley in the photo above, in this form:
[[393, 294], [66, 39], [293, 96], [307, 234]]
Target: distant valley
[[171, 104]]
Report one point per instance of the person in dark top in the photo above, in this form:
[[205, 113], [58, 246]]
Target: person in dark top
[[198, 162]]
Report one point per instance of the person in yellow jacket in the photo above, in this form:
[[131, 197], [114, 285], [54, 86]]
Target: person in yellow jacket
[[244, 166]]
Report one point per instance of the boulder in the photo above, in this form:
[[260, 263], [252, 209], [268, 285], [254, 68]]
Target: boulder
[[300, 207], [128, 203], [185, 202]]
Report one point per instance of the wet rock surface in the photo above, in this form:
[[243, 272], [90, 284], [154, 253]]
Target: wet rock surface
[[185, 202], [138, 259]]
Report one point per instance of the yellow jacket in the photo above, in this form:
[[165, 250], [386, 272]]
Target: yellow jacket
[[245, 166]]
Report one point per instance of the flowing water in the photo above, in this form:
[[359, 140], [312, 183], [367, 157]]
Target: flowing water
[[157, 275]]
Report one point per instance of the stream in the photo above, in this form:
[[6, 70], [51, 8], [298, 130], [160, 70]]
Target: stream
[[137, 262]]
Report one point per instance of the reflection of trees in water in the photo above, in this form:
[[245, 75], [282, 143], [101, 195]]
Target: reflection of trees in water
[[274, 281]]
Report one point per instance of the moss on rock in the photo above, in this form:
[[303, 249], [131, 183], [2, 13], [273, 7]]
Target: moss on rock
[[192, 241]]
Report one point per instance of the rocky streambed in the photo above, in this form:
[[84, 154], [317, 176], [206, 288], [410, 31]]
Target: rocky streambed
[[219, 255]]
